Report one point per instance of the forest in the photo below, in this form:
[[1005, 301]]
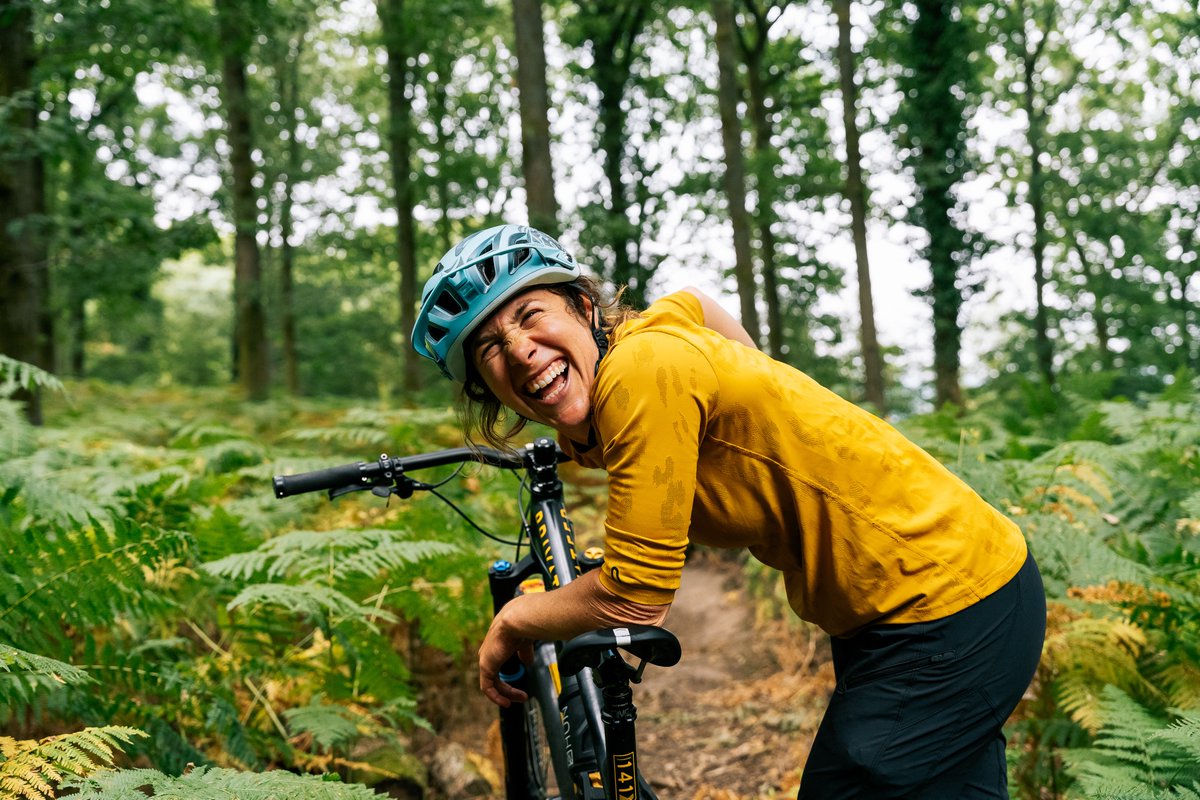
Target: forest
[[976, 218]]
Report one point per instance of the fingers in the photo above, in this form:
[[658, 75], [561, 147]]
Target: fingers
[[499, 692]]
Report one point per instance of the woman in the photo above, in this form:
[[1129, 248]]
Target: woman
[[935, 609]]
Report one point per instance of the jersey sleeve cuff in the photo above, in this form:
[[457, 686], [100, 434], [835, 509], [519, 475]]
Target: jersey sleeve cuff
[[645, 595]]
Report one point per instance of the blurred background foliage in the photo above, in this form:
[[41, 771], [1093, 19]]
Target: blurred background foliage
[[215, 218]]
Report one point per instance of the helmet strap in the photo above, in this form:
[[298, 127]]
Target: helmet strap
[[598, 334]]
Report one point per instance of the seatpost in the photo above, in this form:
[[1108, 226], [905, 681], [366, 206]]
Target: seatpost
[[619, 715]]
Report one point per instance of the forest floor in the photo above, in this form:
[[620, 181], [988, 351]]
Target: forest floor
[[732, 721]]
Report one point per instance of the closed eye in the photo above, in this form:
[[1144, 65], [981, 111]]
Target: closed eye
[[485, 349]]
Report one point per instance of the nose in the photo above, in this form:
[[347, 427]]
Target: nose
[[520, 347]]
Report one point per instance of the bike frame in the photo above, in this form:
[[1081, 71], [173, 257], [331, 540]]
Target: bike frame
[[574, 715], [575, 701]]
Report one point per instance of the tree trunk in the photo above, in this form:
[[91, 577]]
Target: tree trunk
[[397, 39], [535, 115], [1037, 202], [250, 322], [23, 262], [766, 160], [613, 28], [735, 166], [936, 82], [857, 193], [289, 93], [443, 144]]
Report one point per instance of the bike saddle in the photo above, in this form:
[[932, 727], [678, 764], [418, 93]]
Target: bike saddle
[[652, 645]]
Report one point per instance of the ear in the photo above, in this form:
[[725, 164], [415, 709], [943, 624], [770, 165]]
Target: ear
[[588, 304]]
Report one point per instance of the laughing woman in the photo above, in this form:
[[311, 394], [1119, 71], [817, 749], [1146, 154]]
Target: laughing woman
[[934, 606]]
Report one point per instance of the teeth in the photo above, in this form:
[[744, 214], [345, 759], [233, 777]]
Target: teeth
[[543, 380]]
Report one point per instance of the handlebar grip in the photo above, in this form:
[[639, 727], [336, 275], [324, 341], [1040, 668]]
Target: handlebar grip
[[332, 478]]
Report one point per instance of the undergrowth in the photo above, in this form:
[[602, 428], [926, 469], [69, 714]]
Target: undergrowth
[[160, 608]]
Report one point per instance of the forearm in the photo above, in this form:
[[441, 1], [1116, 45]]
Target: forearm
[[580, 606]]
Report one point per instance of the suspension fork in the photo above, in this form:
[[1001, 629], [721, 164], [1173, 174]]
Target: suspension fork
[[503, 579], [554, 538]]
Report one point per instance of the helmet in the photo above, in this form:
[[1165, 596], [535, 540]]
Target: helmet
[[473, 279]]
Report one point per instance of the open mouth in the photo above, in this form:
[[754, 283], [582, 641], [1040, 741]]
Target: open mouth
[[549, 383]]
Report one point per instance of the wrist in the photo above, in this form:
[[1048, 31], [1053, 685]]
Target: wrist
[[505, 623]]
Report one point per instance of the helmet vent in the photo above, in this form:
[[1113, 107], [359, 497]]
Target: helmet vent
[[487, 268], [520, 257], [449, 303], [436, 333]]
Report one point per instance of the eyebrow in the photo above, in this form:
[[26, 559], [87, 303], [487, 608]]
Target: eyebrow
[[482, 339]]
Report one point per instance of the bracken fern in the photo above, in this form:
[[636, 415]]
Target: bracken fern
[[30, 769], [213, 784]]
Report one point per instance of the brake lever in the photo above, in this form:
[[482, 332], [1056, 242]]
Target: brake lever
[[403, 490]]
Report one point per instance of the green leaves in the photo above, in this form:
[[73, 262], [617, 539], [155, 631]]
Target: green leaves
[[329, 606], [333, 554], [213, 784], [29, 769], [1136, 756], [16, 375]]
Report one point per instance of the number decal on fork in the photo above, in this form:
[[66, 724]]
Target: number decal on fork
[[624, 770]]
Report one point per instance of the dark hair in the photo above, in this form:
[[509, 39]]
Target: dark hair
[[481, 412]]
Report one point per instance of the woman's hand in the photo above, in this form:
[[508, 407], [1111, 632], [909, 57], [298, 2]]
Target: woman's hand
[[498, 645], [582, 605]]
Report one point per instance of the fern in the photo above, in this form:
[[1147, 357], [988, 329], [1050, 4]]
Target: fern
[[86, 576], [311, 554], [1185, 734], [1136, 754], [213, 784], [329, 726], [22, 675], [350, 436], [327, 606], [197, 434], [30, 768], [16, 437], [16, 375]]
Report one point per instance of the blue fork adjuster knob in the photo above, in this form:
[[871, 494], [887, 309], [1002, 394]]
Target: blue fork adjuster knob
[[510, 677]]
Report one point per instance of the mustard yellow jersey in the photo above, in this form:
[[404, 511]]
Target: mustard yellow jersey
[[710, 441]]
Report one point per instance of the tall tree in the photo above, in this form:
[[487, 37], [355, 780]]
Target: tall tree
[[23, 263], [235, 27], [728, 98], [856, 192], [939, 86], [288, 81], [1033, 34], [398, 40], [536, 166], [761, 77], [612, 28], [792, 171]]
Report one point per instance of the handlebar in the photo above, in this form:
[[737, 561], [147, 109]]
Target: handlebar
[[387, 471]]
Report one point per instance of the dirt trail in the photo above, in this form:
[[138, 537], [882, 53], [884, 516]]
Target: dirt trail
[[734, 719]]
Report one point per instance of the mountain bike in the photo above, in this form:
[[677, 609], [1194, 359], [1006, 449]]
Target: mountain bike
[[575, 738]]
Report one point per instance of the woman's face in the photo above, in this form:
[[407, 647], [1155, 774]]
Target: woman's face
[[538, 357]]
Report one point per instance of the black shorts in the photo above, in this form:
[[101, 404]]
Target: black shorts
[[919, 708]]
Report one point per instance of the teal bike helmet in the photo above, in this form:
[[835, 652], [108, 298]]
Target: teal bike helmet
[[475, 278]]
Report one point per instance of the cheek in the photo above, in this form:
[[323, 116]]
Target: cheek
[[500, 387]]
